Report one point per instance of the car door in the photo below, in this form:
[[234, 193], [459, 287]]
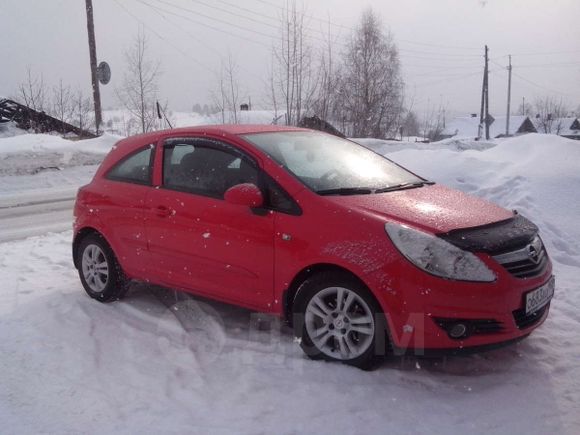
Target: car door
[[119, 202], [201, 243]]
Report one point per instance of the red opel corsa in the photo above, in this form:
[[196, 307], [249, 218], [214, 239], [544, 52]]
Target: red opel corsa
[[362, 256]]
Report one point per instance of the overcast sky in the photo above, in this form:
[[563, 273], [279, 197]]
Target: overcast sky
[[440, 42]]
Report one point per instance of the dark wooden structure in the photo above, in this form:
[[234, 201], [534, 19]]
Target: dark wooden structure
[[315, 123], [26, 118]]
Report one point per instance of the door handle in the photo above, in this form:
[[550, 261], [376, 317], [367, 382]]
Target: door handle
[[162, 211]]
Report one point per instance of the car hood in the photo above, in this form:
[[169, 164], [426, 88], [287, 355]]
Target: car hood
[[434, 208]]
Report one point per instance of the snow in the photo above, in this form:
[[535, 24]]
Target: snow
[[162, 361], [49, 143], [569, 127], [119, 121], [468, 126], [8, 129], [39, 177]]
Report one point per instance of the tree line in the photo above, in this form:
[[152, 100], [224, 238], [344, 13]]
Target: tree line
[[358, 88]]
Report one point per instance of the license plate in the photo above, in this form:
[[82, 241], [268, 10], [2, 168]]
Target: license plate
[[539, 297]]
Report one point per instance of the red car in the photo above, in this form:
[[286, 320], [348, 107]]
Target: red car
[[362, 256]]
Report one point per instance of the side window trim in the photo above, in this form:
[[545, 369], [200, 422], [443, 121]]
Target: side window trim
[[152, 147], [202, 142], [208, 142], [264, 179]]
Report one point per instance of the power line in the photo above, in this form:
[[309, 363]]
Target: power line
[[540, 86], [458, 77], [350, 28], [551, 65], [162, 15], [431, 55], [544, 53], [152, 30], [196, 13], [236, 14], [233, 5], [530, 81], [202, 43]]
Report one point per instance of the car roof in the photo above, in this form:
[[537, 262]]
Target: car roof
[[221, 129]]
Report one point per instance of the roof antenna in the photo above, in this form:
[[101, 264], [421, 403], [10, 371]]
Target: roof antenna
[[160, 111]]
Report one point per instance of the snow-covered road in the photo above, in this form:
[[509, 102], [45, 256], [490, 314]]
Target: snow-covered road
[[32, 217]]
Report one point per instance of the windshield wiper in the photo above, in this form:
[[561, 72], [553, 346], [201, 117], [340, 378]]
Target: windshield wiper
[[346, 191], [404, 186]]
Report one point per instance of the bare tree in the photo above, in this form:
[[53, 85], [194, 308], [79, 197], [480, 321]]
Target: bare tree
[[62, 104], [433, 122], [371, 86], [32, 92], [272, 89], [82, 113], [328, 79], [139, 91], [219, 96], [549, 112], [411, 125], [227, 93], [233, 87], [294, 75], [525, 109]]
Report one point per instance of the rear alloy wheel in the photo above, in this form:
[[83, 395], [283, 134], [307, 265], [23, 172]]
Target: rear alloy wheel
[[341, 322], [95, 268], [99, 270]]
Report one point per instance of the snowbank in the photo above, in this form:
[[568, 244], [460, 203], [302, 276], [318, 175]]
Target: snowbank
[[8, 129], [537, 174], [34, 154], [389, 146], [50, 143]]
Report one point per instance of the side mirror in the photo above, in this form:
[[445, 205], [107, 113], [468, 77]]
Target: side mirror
[[246, 194]]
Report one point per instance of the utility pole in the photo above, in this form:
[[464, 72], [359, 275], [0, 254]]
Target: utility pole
[[484, 114], [93, 55], [481, 113], [486, 94], [523, 105], [507, 121]]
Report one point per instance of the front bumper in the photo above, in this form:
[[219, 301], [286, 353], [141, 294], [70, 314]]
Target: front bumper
[[415, 302]]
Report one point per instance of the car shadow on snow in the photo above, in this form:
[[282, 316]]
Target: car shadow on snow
[[224, 327]]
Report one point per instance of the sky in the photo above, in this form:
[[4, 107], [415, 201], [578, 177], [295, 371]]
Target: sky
[[440, 43]]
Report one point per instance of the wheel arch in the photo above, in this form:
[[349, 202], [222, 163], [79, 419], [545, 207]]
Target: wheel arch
[[79, 236], [290, 294]]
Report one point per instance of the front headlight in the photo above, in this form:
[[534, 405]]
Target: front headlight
[[436, 256]]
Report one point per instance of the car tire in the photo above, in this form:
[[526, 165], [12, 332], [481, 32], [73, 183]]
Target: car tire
[[352, 332], [99, 270]]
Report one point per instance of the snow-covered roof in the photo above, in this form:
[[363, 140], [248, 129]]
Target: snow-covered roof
[[568, 126], [468, 126]]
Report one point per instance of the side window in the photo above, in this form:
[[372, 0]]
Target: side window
[[136, 168], [204, 170]]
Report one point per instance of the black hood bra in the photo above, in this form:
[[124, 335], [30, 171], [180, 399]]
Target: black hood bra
[[496, 238]]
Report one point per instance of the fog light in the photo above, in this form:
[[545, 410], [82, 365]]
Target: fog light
[[458, 330]]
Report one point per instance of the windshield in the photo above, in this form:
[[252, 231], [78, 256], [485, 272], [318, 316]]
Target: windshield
[[330, 165]]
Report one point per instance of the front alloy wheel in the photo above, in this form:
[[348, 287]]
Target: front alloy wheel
[[340, 323], [337, 318]]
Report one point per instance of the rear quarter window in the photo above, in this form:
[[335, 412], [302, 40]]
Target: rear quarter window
[[135, 168]]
